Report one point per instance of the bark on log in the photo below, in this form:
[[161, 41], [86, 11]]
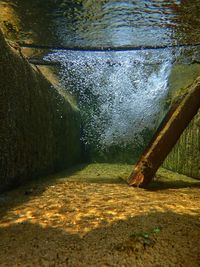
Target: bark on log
[[177, 119]]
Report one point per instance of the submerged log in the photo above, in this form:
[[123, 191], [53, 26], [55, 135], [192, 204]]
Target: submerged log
[[174, 123]]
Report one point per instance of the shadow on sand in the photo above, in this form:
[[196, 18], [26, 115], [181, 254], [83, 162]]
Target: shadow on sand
[[155, 239]]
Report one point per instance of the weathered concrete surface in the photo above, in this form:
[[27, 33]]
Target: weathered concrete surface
[[40, 127], [185, 156]]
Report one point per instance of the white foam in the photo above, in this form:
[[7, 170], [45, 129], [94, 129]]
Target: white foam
[[120, 93]]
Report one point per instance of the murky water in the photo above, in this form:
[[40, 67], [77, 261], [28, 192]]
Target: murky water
[[123, 96]]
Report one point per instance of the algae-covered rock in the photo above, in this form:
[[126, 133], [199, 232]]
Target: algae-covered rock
[[40, 127]]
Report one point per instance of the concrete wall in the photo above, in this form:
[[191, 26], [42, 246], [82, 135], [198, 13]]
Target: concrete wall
[[185, 156], [39, 126]]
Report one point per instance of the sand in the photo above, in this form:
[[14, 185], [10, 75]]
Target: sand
[[88, 216]]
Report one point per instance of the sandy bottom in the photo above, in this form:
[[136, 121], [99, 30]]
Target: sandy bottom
[[89, 217]]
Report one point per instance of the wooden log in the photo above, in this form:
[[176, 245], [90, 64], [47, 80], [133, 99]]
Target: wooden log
[[174, 123]]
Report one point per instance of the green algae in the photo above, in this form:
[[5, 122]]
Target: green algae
[[105, 173]]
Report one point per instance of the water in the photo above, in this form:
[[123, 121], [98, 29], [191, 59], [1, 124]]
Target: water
[[110, 22], [123, 96], [116, 23], [119, 23]]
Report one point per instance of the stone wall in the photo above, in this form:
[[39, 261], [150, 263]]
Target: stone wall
[[39, 126]]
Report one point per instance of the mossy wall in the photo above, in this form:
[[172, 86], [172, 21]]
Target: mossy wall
[[185, 156], [40, 128]]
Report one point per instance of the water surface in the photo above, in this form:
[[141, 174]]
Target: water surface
[[109, 22]]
